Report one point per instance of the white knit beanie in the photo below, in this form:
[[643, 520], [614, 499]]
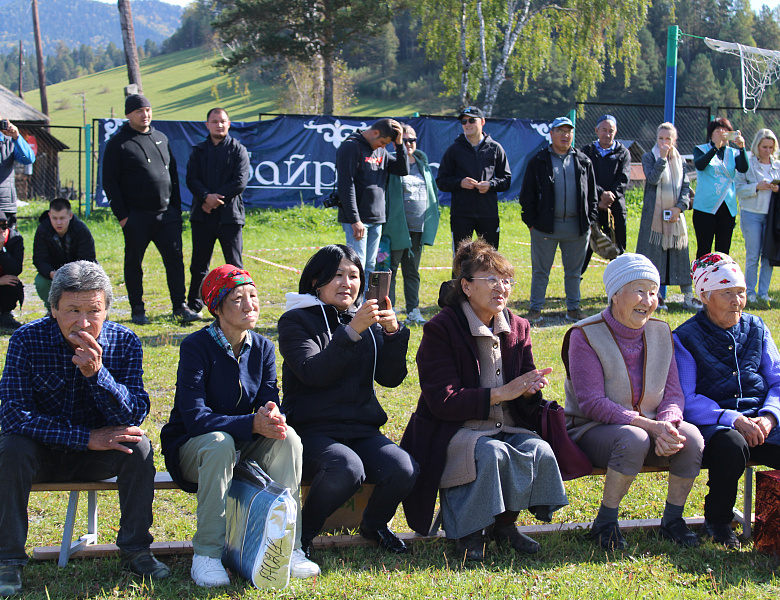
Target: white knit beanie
[[626, 268]]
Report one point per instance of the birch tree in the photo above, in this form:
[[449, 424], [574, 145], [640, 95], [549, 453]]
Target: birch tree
[[485, 43]]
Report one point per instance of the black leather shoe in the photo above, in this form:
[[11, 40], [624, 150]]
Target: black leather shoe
[[144, 564], [722, 533], [10, 580], [386, 539], [608, 537], [471, 547], [139, 318], [519, 541], [186, 315], [677, 531]]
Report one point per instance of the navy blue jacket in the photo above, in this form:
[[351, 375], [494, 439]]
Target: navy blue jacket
[[214, 392]]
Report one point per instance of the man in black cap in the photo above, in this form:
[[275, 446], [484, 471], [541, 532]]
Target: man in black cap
[[612, 166], [474, 169], [11, 261], [142, 184]]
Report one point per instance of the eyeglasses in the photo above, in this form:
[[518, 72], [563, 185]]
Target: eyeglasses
[[468, 120], [494, 282], [410, 141]]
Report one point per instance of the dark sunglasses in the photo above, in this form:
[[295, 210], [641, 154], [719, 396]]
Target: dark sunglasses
[[468, 120], [410, 140]]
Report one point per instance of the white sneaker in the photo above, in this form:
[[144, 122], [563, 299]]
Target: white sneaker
[[208, 572], [301, 567], [416, 317]]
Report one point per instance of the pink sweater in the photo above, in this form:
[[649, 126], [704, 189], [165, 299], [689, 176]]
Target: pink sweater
[[587, 377]]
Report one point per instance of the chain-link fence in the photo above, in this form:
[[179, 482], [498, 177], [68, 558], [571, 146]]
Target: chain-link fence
[[59, 165]]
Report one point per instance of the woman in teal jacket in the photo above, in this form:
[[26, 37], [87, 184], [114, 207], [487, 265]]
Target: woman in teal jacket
[[412, 221]]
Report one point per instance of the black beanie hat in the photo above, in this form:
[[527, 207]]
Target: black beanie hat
[[134, 102]]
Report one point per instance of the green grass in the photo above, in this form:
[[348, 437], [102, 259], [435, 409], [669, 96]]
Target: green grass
[[181, 87], [567, 566]]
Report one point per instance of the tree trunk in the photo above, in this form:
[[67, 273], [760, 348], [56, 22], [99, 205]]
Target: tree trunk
[[21, 70], [39, 52], [128, 39], [327, 82], [465, 65]]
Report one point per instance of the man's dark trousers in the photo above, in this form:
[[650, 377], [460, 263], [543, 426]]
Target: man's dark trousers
[[463, 227], [23, 461], [165, 231], [204, 235]]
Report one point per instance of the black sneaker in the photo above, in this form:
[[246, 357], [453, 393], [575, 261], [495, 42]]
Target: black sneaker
[[608, 536], [722, 533], [7, 321], [139, 318], [144, 564], [471, 547], [186, 315], [677, 531], [509, 534], [10, 580]]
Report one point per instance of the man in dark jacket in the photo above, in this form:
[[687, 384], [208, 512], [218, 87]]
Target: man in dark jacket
[[217, 173], [474, 169], [362, 166], [11, 262], [558, 198], [141, 182], [612, 166], [60, 238]]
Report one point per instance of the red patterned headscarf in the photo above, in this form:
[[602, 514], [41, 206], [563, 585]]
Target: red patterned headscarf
[[219, 282], [716, 271]]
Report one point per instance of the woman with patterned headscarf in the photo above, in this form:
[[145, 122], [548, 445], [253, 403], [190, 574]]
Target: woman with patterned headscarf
[[729, 370], [227, 402]]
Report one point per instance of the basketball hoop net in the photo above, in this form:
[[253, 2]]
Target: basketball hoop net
[[760, 68]]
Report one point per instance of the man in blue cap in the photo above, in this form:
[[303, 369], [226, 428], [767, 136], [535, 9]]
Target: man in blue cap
[[612, 165], [559, 203]]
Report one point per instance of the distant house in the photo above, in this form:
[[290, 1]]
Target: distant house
[[44, 181]]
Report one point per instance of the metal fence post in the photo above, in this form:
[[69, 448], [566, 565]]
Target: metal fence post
[[671, 73], [88, 172]]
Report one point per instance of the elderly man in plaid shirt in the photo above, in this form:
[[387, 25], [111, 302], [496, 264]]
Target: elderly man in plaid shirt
[[72, 400]]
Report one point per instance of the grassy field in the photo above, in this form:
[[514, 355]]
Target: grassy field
[[568, 566], [183, 86]]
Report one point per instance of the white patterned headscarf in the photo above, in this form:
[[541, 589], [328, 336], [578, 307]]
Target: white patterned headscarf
[[716, 271]]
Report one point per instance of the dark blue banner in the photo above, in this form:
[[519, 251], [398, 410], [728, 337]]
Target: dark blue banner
[[293, 157]]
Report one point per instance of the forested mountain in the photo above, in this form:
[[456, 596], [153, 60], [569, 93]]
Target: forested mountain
[[87, 22]]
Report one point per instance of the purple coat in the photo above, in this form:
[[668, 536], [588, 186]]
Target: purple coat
[[451, 394]]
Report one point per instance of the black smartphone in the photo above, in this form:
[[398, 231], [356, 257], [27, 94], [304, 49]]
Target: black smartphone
[[379, 288], [4, 124]]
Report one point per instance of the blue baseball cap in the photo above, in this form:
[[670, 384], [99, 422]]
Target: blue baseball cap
[[603, 118], [561, 121]]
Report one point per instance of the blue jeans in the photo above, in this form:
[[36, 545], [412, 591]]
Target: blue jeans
[[367, 247], [752, 225]]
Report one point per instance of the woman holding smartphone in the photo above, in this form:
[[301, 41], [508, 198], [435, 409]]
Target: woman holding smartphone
[[717, 163], [334, 349], [663, 235], [755, 189]]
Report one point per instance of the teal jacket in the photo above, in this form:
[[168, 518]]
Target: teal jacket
[[395, 227]]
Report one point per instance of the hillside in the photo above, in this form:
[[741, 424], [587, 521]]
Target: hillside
[[84, 22], [180, 87]]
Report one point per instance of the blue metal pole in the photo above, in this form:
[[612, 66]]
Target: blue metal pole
[[88, 152], [671, 73]]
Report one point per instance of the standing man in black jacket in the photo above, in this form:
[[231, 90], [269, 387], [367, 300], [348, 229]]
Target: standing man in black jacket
[[612, 166], [474, 169], [142, 184], [61, 238], [362, 166], [217, 173], [11, 264]]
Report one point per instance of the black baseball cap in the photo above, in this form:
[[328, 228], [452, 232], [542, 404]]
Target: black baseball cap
[[471, 111]]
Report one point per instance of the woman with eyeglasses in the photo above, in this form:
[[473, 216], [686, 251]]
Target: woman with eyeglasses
[[412, 221], [471, 432]]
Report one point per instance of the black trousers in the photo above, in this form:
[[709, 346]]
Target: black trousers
[[463, 227], [165, 231], [620, 216], [204, 235], [719, 227], [10, 296], [726, 455], [23, 461]]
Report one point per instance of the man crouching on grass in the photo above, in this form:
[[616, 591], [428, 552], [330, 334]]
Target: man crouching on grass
[[72, 399]]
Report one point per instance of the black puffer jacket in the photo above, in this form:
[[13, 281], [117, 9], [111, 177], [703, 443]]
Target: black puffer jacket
[[327, 379], [50, 253]]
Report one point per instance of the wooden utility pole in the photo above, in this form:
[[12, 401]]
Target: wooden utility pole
[[128, 38], [21, 70], [39, 52]]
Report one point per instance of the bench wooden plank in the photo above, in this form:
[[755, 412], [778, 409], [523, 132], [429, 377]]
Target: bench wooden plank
[[162, 481]]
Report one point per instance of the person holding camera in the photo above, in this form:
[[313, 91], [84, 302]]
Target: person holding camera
[[663, 235], [362, 166], [715, 212], [334, 349], [13, 148]]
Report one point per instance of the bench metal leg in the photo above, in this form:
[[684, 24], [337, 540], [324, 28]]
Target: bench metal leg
[[434, 530], [69, 545], [67, 530], [747, 526], [92, 515]]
